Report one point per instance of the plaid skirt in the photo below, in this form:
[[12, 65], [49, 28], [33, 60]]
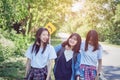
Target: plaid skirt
[[37, 74], [87, 72]]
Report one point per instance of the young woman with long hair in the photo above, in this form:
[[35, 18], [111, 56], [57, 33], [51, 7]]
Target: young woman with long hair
[[67, 53], [39, 57], [90, 64]]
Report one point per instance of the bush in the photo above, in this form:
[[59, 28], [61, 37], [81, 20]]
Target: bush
[[5, 53], [12, 70], [20, 41]]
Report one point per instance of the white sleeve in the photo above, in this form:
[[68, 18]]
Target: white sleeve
[[100, 51], [82, 47], [52, 54], [28, 53]]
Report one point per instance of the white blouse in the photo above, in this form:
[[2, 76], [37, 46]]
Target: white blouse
[[40, 60]]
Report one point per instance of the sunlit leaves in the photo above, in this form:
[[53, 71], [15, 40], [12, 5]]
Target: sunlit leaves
[[12, 11], [44, 11]]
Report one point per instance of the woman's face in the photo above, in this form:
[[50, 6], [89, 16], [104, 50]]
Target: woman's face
[[72, 41], [44, 36], [90, 41]]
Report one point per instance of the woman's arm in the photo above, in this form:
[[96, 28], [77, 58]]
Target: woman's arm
[[27, 66], [57, 48], [49, 68], [99, 66], [77, 64]]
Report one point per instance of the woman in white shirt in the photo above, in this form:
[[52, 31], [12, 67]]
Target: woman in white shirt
[[89, 65], [39, 57]]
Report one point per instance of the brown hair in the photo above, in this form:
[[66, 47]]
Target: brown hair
[[36, 47], [77, 46], [94, 35]]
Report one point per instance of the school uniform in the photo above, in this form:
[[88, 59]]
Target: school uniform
[[63, 69], [86, 67], [39, 62]]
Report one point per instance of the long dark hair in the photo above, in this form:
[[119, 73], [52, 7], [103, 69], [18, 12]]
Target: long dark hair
[[94, 35], [77, 46], [37, 43]]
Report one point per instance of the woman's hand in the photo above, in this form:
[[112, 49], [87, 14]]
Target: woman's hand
[[97, 77], [49, 66], [27, 67], [47, 78], [67, 47], [78, 78]]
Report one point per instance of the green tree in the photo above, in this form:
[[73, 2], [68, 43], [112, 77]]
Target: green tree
[[11, 11], [43, 11]]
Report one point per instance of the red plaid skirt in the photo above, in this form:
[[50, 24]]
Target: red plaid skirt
[[87, 72], [37, 74]]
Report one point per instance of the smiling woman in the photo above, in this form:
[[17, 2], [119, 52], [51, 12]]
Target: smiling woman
[[39, 57], [90, 64], [66, 57]]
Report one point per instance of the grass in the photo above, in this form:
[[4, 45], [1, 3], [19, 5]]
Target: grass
[[15, 70], [12, 69]]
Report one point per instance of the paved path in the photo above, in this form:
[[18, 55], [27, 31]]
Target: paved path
[[111, 62]]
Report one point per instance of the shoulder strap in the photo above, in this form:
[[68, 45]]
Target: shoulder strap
[[59, 53]]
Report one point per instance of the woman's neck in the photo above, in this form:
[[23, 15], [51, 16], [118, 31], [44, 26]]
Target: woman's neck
[[42, 45], [68, 47]]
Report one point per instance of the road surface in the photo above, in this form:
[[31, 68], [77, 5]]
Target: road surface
[[111, 62]]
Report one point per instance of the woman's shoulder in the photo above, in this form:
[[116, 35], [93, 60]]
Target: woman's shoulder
[[30, 46], [100, 46], [82, 45], [59, 45], [49, 45]]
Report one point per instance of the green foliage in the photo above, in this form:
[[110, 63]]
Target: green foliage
[[85, 18], [21, 46], [111, 32], [12, 11], [116, 26], [43, 11], [5, 53], [34, 13], [21, 42], [12, 70], [100, 15], [55, 41]]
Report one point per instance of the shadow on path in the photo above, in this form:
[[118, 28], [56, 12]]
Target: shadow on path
[[111, 72]]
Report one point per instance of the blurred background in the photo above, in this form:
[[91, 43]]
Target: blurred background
[[19, 20]]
